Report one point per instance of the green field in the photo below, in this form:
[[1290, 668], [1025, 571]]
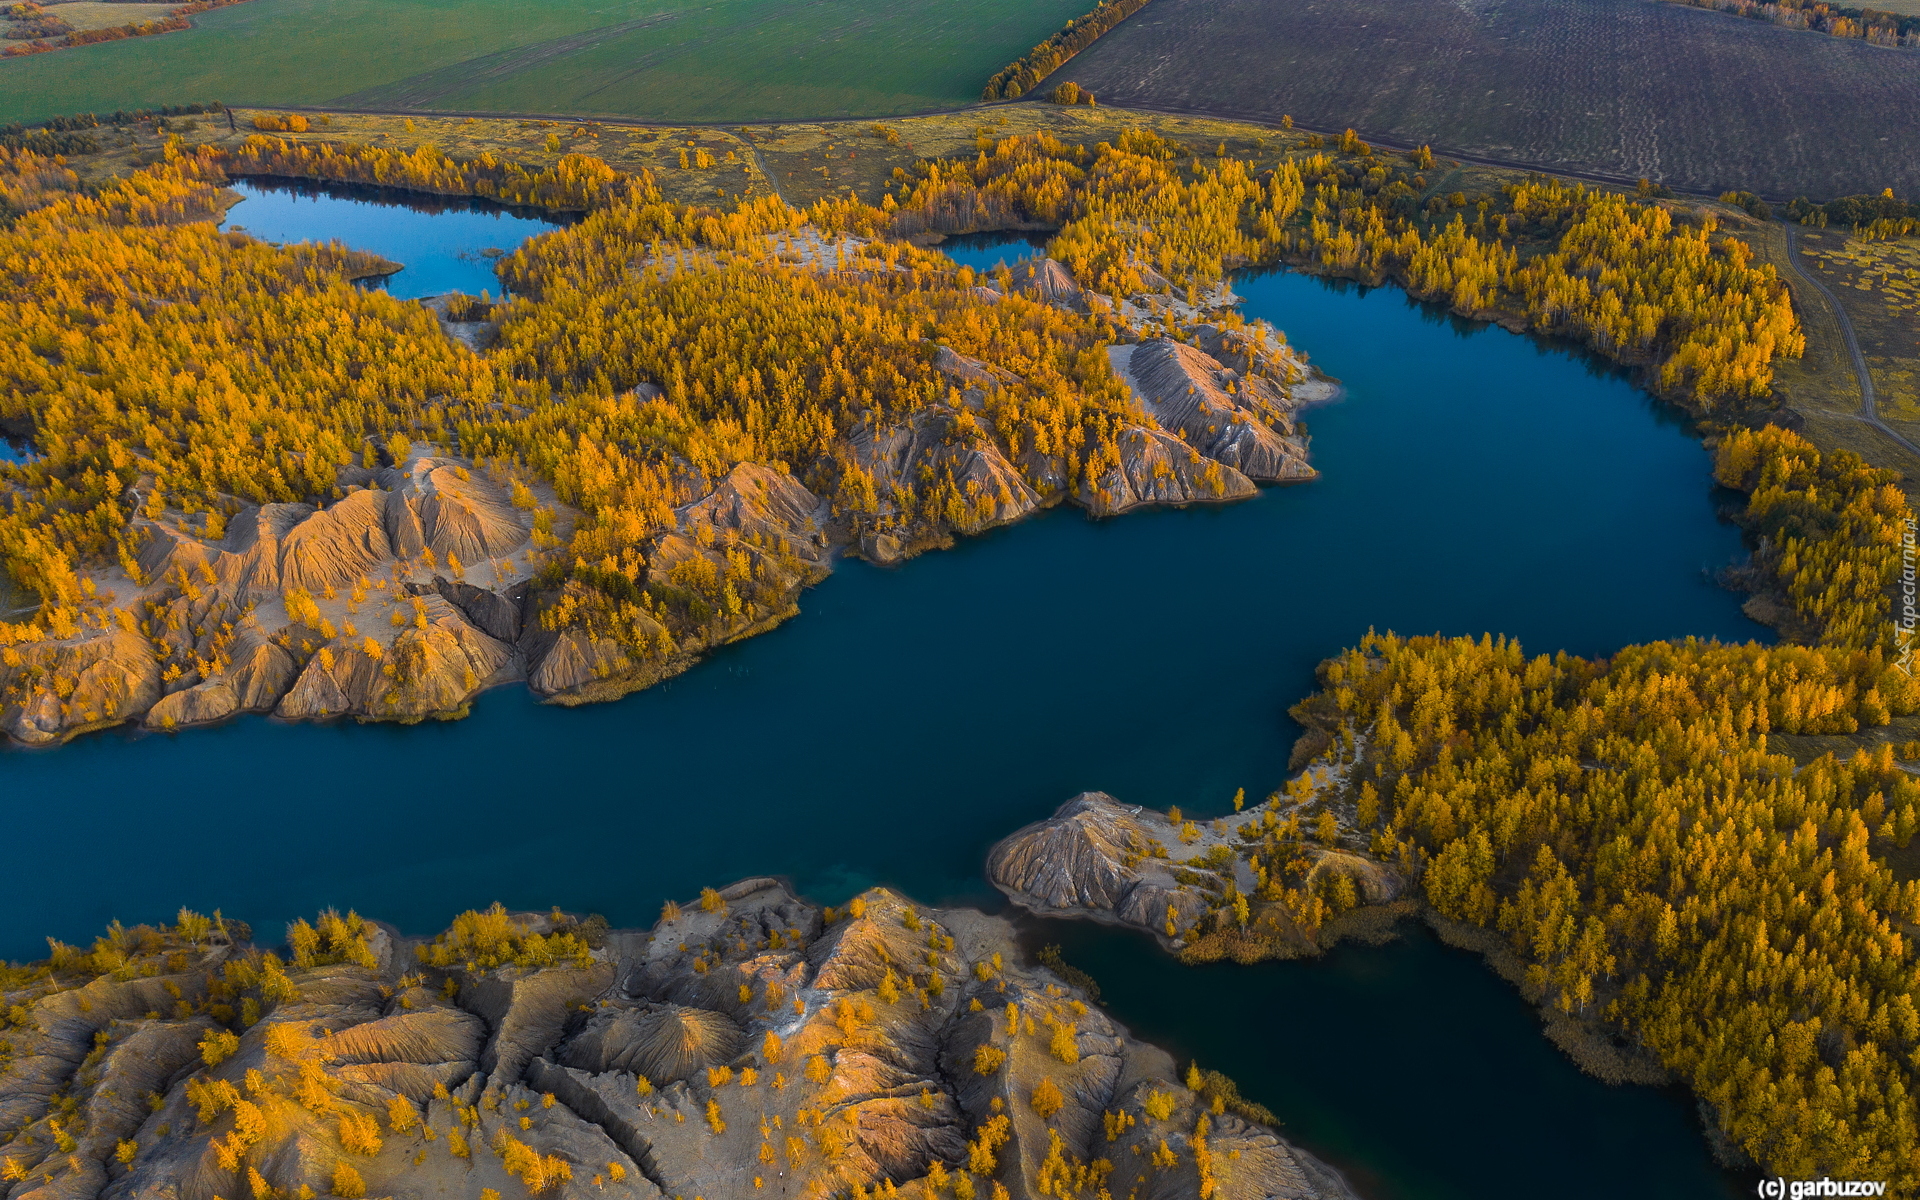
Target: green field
[[728, 60]]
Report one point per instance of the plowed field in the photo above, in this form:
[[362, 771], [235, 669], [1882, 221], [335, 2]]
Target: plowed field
[[1632, 88]]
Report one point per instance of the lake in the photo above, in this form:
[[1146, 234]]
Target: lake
[[1473, 480], [443, 243]]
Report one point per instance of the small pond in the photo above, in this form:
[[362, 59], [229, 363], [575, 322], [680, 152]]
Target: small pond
[[444, 245]]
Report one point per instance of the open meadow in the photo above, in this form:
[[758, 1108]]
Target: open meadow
[[1696, 99], [732, 60], [97, 14]]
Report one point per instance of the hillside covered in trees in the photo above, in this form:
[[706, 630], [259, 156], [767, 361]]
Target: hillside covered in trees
[[264, 489], [1656, 865]]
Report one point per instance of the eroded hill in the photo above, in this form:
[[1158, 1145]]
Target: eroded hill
[[749, 1045]]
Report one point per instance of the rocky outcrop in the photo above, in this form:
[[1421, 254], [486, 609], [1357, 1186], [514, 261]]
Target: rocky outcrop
[[759, 507], [412, 586], [428, 670], [54, 689], [257, 674], [1192, 394], [751, 1043], [495, 613], [934, 475], [1049, 282], [336, 545], [296, 609], [974, 378], [428, 504], [436, 504], [1098, 859], [734, 562], [466, 319], [1153, 467]]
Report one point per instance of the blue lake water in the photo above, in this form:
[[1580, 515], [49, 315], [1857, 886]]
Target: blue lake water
[[984, 251], [440, 243], [1472, 480]]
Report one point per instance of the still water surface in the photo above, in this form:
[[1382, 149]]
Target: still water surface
[[1473, 480], [443, 245]]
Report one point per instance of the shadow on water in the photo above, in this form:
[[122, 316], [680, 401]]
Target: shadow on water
[[985, 251], [424, 203], [910, 717], [1411, 1067]]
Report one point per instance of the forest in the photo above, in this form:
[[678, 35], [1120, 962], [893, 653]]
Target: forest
[[1657, 864], [625, 376], [1623, 821], [264, 371]]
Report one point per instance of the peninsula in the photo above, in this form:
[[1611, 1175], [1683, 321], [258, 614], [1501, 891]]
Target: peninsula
[[375, 509]]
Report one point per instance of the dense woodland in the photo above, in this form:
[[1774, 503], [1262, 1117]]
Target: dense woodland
[[1623, 821], [1630, 279], [220, 371], [1657, 864]]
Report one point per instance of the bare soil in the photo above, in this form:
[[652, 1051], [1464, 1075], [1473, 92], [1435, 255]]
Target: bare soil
[[1630, 88]]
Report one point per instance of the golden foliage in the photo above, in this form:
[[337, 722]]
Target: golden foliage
[[1046, 1098], [1656, 864], [540, 1172], [483, 940], [988, 1058]]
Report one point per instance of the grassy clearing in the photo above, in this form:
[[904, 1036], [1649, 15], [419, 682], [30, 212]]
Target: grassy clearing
[[1820, 387], [93, 14], [1879, 283], [651, 59], [1698, 99]]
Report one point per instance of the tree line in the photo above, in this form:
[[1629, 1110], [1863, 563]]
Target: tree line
[[54, 39], [1873, 25], [1021, 75], [1659, 864]]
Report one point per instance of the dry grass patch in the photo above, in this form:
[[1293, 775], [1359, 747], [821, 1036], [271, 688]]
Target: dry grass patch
[[91, 14]]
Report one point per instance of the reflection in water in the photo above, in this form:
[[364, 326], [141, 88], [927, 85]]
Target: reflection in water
[[1411, 1067], [985, 251], [443, 244]]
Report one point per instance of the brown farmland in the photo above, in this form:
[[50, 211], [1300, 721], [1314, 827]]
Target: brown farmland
[[1698, 100]]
